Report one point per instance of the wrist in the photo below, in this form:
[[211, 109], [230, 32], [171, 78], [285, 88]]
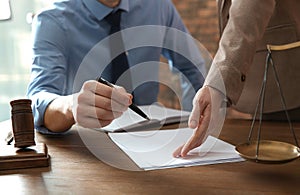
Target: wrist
[[225, 100], [60, 111]]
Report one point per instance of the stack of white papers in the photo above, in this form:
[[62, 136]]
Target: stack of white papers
[[153, 149], [131, 121]]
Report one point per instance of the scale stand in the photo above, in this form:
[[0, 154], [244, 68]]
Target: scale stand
[[267, 151]]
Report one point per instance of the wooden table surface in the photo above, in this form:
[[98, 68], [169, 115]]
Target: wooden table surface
[[75, 170]]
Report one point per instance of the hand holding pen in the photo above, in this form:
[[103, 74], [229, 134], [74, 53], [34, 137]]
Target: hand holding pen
[[96, 105], [132, 106]]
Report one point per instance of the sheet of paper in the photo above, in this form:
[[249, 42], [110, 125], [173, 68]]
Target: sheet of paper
[[153, 149], [153, 111]]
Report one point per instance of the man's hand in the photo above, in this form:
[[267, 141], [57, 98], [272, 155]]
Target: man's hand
[[205, 117], [95, 106]]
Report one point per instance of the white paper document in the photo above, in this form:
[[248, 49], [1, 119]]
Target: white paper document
[[131, 121], [153, 149]]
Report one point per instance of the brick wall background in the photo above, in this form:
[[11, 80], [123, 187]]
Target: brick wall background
[[201, 19]]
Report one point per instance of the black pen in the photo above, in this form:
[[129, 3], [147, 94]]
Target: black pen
[[132, 106]]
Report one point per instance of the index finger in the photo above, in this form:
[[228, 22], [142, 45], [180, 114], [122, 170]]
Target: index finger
[[116, 94], [199, 134]]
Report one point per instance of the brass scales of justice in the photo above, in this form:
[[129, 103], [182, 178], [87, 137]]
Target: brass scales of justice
[[268, 151]]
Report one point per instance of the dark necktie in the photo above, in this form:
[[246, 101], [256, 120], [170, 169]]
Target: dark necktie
[[120, 63]]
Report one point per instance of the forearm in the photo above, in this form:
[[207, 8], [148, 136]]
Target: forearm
[[58, 116], [246, 25]]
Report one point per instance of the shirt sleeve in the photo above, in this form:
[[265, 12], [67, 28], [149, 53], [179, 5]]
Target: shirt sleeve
[[48, 66], [183, 55], [246, 24]]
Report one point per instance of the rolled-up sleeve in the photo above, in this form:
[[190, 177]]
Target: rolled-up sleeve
[[48, 65]]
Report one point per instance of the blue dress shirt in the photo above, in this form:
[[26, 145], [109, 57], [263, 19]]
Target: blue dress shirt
[[70, 47]]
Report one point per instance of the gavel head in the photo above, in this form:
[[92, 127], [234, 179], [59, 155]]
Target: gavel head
[[22, 123]]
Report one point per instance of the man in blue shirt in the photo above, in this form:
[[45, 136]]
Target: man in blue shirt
[[71, 50]]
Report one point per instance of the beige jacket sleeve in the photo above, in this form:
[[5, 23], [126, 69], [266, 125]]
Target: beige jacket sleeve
[[246, 24]]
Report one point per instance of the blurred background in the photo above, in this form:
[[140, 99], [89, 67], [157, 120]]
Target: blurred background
[[15, 51], [200, 17]]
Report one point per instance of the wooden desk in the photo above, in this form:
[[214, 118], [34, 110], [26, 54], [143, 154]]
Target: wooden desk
[[75, 170]]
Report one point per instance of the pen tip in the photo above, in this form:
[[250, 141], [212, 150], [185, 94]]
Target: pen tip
[[148, 118]]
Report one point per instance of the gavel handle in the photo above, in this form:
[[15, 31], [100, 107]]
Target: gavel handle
[[9, 138]]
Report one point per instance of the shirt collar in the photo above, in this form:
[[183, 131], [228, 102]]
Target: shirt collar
[[100, 11]]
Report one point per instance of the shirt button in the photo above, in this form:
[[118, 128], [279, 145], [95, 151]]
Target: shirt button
[[126, 53], [243, 77]]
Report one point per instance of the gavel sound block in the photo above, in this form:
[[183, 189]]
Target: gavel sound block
[[30, 157]]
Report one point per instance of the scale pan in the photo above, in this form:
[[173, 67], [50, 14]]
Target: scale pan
[[270, 152]]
